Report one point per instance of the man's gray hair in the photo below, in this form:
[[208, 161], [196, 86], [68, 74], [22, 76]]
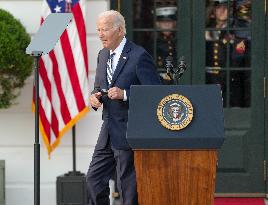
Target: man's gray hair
[[118, 20]]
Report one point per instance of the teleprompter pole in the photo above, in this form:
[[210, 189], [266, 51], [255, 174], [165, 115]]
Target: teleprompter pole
[[37, 56]]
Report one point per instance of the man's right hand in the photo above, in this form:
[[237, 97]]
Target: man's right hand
[[94, 100]]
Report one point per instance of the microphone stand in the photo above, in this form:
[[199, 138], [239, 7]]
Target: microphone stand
[[175, 73]]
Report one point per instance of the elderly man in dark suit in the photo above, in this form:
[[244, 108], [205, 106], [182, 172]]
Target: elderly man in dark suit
[[121, 63]]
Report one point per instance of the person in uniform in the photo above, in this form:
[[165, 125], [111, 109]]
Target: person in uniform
[[216, 45], [242, 38], [240, 55], [166, 40], [217, 41]]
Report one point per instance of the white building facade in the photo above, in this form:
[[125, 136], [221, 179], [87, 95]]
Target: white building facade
[[17, 122]]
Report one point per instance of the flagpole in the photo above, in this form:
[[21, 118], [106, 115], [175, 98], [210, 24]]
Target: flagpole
[[74, 150], [37, 56]]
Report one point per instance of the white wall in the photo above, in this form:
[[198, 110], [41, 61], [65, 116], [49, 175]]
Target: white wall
[[17, 123]]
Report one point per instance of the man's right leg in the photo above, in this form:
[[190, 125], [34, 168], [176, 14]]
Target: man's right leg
[[99, 173]]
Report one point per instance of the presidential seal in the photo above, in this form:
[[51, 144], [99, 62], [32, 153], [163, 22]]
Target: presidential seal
[[175, 112]]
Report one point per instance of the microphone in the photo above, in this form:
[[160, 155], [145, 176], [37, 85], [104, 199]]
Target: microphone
[[169, 66], [182, 66]]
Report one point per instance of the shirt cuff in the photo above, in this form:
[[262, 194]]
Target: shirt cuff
[[125, 95]]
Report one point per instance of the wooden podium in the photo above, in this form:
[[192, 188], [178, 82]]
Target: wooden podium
[[176, 167]]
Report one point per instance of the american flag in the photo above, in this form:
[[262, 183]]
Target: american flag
[[63, 73]]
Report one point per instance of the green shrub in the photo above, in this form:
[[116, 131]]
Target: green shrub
[[15, 65]]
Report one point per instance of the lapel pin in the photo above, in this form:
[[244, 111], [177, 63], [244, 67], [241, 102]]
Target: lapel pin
[[124, 57]]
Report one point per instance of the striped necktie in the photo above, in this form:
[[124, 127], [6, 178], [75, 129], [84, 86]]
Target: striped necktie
[[110, 70]]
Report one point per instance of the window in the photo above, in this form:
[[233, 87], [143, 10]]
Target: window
[[228, 49], [155, 28]]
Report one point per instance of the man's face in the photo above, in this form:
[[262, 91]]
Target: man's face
[[109, 35], [166, 24], [221, 12]]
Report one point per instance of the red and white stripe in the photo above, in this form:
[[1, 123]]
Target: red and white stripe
[[64, 86]]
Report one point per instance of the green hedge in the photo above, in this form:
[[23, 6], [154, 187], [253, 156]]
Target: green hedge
[[15, 65]]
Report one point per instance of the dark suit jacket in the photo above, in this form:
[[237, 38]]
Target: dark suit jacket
[[135, 67]]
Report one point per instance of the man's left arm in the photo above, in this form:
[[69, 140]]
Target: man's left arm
[[146, 71], [146, 74]]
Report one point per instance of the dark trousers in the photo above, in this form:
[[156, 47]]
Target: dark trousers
[[101, 169]]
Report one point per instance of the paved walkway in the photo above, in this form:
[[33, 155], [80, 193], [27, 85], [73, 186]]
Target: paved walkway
[[116, 202]]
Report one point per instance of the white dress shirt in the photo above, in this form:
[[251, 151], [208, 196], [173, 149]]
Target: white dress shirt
[[118, 52]]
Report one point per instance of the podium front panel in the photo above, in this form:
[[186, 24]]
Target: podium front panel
[[205, 131]]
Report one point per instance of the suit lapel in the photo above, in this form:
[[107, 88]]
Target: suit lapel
[[104, 71], [122, 61]]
